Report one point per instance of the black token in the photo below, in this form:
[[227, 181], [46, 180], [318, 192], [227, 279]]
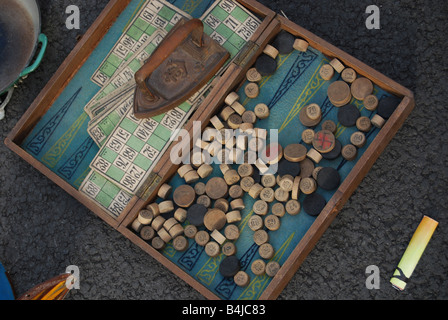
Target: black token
[[256, 175], [333, 154], [230, 266], [288, 167], [284, 42], [387, 106], [313, 204], [348, 114], [265, 65], [328, 178], [196, 214]]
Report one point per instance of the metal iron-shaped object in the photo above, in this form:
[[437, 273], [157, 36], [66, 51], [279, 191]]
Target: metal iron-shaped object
[[181, 65]]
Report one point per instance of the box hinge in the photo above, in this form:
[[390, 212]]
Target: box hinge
[[246, 54], [149, 187]]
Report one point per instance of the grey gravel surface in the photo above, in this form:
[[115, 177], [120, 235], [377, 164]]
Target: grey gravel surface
[[43, 229]]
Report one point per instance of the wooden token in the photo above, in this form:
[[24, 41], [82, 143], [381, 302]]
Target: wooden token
[[306, 168], [190, 231], [278, 209], [205, 170], [157, 243], [246, 183], [308, 185], [272, 268], [204, 200], [272, 222], [233, 216], [313, 204], [222, 204], [266, 251], [260, 207], [237, 204], [261, 166], [364, 124], [191, 177], [236, 191], [180, 215], [234, 121], [314, 155], [232, 232], [316, 172], [286, 182], [255, 222], [268, 195], [137, 225], [295, 152], [147, 233], [231, 98], [228, 249], [333, 154], [229, 267], [281, 195], [358, 139], [308, 136], [164, 235], [301, 45], [326, 72], [361, 88], [258, 267], [145, 217], [270, 51], [268, 180], [169, 223], [348, 75], [215, 219], [183, 170], [196, 214], [176, 230], [202, 238], [180, 243], [329, 125], [164, 191], [371, 102], [216, 188], [199, 188], [154, 208], [284, 42], [306, 121], [296, 188], [249, 117], [212, 249], [313, 111], [337, 65], [241, 279], [224, 168], [324, 141], [378, 121], [216, 123], [184, 196], [262, 111], [245, 170], [339, 93], [349, 152], [231, 177], [328, 179], [293, 207], [255, 190], [387, 106], [226, 113], [238, 107], [218, 237], [348, 114], [261, 237], [253, 75], [166, 206], [265, 65], [252, 90]]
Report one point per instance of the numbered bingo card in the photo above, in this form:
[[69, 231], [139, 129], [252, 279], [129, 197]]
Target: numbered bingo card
[[230, 24], [133, 149], [110, 197], [154, 15]]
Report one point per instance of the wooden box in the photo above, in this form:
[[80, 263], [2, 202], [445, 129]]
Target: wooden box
[[232, 80]]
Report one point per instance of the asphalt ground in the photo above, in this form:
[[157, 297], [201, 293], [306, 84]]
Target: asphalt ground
[[43, 229]]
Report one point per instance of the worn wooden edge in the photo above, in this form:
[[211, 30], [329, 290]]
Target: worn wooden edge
[[349, 61], [171, 266], [341, 196]]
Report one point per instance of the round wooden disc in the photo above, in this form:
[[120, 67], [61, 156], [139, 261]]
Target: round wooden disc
[[228, 249], [245, 170], [272, 222], [249, 117], [281, 195], [268, 180], [358, 139], [308, 136], [361, 88], [270, 51], [246, 183], [266, 251], [258, 267], [215, 219], [234, 121], [204, 200], [261, 237], [145, 217], [260, 207], [286, 182], [235, 191], [267, 194], [231, 98], [190, 231], [326, 72], [180, 243], [308, 185], [348, 75], [255, 222], [212, 249], [157, 243], [272, 268], [313, 111], [292, 207], [324, 141], [306, 121], [262, 111], [349, 152], [231, 177], [330, 126], [199, 188], [232, 232], [202, 238], [295, 152], [339, 92], [306, 168], [241, 279], [147, 233], [333, 154], [233, 216], [216, 188], [253, 75], [184, 196], [230, 266], [364, 124], [278, 209], [371, 102], [337, 65]]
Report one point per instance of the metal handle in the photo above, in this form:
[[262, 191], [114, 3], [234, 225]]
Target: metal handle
[[193, 27], [44, 41]]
